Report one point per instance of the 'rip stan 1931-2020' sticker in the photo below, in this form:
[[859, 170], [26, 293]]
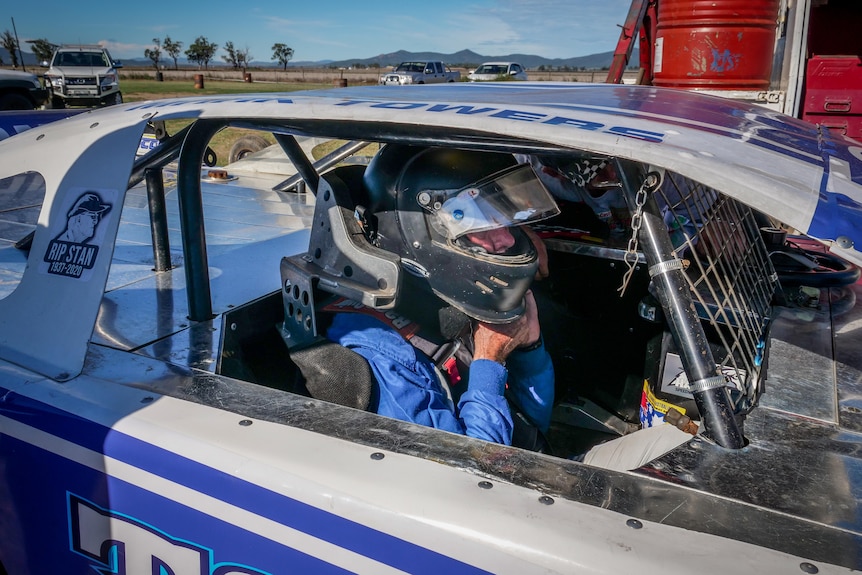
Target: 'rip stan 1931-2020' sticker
[[78, 234]]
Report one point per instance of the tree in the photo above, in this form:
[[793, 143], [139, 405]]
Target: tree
[[8, 41], [231, 57], [43, 49], [172, 49], [155, 54], [283, 53], [243, 58], [201, 51]]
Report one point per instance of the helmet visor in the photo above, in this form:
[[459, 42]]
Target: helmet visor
[[511, 197]]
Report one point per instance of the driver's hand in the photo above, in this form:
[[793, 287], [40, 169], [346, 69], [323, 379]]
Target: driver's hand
[[543, 270], [497, 341]]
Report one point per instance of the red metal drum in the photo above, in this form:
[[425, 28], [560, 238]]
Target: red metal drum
[[715, 44]]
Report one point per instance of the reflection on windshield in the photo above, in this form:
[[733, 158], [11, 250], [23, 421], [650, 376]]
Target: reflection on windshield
[[21, 198]]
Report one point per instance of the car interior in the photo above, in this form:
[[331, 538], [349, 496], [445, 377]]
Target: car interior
[[601, 313]]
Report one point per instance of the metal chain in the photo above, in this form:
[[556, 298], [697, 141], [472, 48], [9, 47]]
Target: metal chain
[[631, 257]]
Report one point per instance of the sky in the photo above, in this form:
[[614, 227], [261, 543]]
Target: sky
[[328, 29]]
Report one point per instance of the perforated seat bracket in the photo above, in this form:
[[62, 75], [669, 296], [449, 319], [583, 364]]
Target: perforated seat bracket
[[299, 328]]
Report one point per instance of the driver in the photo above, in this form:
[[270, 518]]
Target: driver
[[456, 220]]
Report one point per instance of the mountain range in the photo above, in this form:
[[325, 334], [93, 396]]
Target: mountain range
[[468, 58], [464, 58]]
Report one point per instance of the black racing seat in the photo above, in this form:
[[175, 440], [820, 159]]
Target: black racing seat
[[336, 374]]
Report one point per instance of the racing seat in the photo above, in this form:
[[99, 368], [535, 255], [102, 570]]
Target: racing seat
[[334, 373], [326, 370]]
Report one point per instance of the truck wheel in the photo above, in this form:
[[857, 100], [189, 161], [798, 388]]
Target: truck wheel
[[116, 99], [245, 146], [56, 103], [15, 102]]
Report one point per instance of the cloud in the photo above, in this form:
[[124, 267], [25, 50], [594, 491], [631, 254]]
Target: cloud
[[124, 50], [562, 28]]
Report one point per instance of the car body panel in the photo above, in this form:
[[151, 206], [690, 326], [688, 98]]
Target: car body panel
[[131, 432], [23, 83]]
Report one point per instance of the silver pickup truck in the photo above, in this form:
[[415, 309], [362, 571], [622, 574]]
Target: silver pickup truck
[[424, 72]]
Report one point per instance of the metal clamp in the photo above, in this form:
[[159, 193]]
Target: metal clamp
[[666, 266], [707, 384]]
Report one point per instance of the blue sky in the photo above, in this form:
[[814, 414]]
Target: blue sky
[[329, 29]]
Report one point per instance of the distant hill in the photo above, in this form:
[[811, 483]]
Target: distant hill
[[30, 60], [464, 58], [468, 58]]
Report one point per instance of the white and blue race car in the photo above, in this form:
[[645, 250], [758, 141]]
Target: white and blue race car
[[149, 417]]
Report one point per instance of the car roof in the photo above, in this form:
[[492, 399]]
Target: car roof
[[783, 167], [80, 47]]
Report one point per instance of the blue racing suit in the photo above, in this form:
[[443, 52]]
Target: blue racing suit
[[410, 389]]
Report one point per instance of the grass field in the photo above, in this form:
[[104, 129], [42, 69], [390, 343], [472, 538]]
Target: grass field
[[138, 90]]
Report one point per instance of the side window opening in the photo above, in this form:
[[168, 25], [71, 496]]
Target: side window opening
[[21, 199], [609, 351]]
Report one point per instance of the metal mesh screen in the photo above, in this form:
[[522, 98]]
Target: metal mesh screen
[[731, 278]]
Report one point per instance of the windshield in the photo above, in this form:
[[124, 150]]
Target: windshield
[[495, 69], [89, 59], [411, 67]]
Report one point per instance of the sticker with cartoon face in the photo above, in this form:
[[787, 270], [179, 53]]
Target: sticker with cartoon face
[[75, 247]]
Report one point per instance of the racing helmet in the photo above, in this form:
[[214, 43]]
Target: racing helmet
[[443, 210]]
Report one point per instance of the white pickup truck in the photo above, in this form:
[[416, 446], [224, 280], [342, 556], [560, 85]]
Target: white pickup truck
[[421, 72]]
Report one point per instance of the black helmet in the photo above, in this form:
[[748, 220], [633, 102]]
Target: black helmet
[[435, 208]]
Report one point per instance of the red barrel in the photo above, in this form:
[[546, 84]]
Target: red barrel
[[715, 44]]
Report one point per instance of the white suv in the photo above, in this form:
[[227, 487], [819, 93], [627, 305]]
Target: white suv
[[491, 71], [83, 76]]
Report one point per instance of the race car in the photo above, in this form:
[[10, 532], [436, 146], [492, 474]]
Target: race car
[[151, 418]]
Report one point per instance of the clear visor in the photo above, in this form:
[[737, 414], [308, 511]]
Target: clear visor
[[511, 197]]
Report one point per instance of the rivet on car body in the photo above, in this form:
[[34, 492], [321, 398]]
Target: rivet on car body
[[40, 136], [245, 422], [377, 456], [485, 485], [147, 399], [809, 567], [634, 524], [545, 500], [93, 125]]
